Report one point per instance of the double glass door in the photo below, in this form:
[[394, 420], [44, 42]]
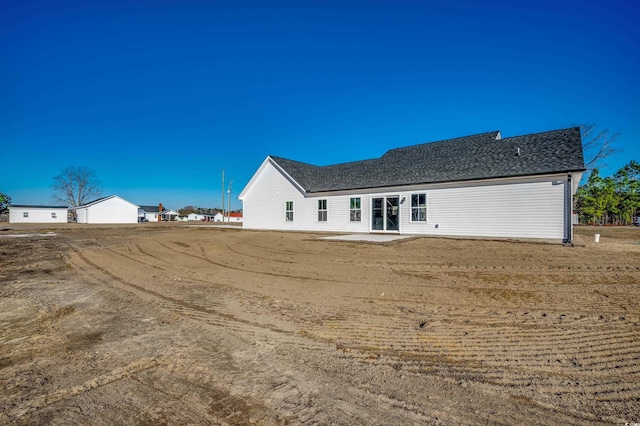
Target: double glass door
[[385, 213]]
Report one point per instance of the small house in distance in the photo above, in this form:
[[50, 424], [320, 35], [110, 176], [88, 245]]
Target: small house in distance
[[150, 213], [472, 186], [169, 215], [37, 214], [202, 217], [228, 217], [112, 210], [233, 217], [156, 213]]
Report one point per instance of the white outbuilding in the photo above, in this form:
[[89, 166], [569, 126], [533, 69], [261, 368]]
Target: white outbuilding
[[37, 214], [233, 217], [112, 209]]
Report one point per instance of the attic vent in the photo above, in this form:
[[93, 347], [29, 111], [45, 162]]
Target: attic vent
[[518, 153]]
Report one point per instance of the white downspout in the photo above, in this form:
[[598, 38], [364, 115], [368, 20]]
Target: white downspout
[[568, 239]]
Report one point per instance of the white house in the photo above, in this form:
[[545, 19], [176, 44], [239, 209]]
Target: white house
[[229, 217], [233, 217], [153, 213], [169, 215], [480, 186], [112, 209], [37, 214], [201, 217], [149, 213]]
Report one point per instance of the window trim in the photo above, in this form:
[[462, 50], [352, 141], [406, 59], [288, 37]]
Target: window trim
[[288, 211], [353, 210], [418, 207], [323, 210]]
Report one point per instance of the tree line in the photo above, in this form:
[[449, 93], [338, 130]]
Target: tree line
[[611, 200], [186, 210]]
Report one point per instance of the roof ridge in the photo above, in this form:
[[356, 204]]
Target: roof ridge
[[543, 133], [40, 206], [276, 158], [494, 134], [96, 200]]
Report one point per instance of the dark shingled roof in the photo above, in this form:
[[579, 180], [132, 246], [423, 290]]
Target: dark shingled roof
[[151, 209], [476, 157], [37, 206]]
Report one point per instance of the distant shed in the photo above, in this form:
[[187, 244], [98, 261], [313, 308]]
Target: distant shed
[[37, 214], [112, 209]]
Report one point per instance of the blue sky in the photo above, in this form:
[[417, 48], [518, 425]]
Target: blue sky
[[158, 97]]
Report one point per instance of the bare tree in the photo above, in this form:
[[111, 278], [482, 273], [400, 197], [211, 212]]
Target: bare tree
[[597, 144], [75, 186], [187, 210]]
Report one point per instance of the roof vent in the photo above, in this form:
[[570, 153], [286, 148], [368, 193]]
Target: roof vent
[[518, 153]]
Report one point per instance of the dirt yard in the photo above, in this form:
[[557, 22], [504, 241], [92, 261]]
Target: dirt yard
[[164, 324]]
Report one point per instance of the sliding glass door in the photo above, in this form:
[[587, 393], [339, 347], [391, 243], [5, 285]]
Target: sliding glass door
[[385, 214]]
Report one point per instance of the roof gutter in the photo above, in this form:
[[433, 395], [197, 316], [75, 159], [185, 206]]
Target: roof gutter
[[442, 182]]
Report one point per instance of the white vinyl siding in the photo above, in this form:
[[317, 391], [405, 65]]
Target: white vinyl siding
[[110, 210], [533, 210], [37, 214], [264, 206], [531, 207]]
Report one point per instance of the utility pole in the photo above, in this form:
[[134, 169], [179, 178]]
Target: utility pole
[[229, 201], [222, 195]]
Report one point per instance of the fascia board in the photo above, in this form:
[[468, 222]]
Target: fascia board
[[263, 166]]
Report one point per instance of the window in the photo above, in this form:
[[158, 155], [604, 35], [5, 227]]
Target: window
[[25, 214], [288, 211], [54, 215], [418, 207], [322, 210], [355, 214]]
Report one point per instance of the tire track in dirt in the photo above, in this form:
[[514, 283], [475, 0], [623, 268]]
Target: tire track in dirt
[[479, 354], [531, 346], [250, 271], [194, 310], [129, 257], [252, 256], [203, 311], [290, 391], [119, 373], [184, 307], [181, 306], [140, 249]]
